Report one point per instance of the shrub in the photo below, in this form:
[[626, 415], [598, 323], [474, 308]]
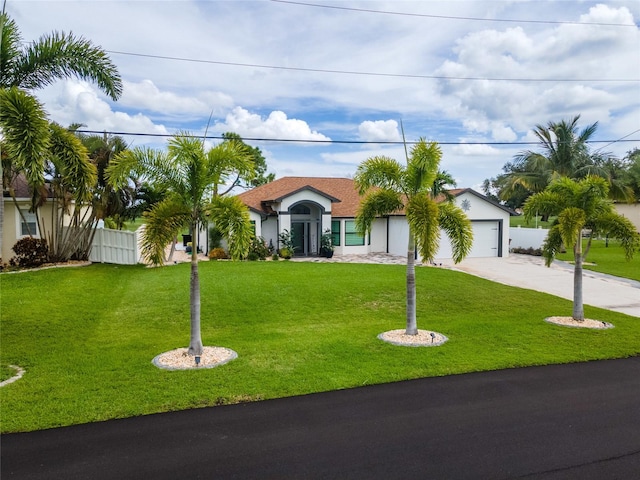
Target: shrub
[[30, 252], [275, 257], [258, 249], [218, 253], [285, 253], [527, 251]]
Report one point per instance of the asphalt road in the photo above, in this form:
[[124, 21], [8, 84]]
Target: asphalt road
[[576, 421]]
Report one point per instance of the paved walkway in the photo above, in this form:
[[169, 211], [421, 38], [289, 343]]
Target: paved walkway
[[575, 421]]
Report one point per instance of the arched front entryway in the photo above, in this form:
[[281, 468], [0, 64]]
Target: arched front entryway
[[306, 223]]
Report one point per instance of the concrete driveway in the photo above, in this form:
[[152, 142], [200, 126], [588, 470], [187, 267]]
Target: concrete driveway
[[527, 271]]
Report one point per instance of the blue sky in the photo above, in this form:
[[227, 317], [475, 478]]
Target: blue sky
[[405, 53]]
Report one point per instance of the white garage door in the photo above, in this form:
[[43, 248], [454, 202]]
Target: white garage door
[[485, 239], [486, 236]]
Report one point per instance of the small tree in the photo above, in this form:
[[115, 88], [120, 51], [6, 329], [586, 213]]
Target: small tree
[[190, 176], [580, 205], [389, 187]]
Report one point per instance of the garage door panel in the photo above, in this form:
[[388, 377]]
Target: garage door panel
[[486, 237]]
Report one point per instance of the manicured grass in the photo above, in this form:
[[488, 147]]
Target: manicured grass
[[534, 222], [608, 259], [86, 336]]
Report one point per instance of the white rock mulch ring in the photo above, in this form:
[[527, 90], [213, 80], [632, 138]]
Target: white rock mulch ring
[[179, 359], [424, 338], [17, 376], [586, 323]]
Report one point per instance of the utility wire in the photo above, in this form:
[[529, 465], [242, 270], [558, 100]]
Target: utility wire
[[621, 139], [372, 74], [347, 142], [450, 17]]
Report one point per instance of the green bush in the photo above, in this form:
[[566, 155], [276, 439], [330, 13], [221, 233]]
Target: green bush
[[258, 249], [218, 253], [30, 252]]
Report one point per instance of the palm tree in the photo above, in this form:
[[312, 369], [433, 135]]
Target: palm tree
[[109, 204], [191, 177], [54, 56], [580, 205], [28, 66], [564, 153], [389, 187]]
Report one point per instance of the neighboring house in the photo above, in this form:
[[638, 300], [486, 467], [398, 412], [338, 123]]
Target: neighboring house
[[309, 206], [14, 227], [631, 211]]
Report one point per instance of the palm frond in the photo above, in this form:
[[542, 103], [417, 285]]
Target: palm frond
[[10, 49], [552, 244], [231, 217], [543, 203], [72, 161], [423, 218], [376, 203], [458, 228], [26, 132], [164, 221], [422, 168], [59, 55], [571, 221], [379, 172], [616, 226]]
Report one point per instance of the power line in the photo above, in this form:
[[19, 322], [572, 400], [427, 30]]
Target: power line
[[621, 139], [372, 74], [450, 17], [343, 142]]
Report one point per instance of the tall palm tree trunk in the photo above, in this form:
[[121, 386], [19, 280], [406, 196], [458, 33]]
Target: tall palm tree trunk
[[578, 307], [412, 327], [195, 345]]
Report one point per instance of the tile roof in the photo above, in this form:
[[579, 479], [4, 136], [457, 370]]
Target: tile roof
[[341, 191]]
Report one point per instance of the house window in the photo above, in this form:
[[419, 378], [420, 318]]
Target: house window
[[351, 235], [300, 209], [253, 227], [30, 227], [335, 233]]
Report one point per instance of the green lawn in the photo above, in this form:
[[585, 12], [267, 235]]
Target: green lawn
[[535, 222], [608, 259], [86, 336]]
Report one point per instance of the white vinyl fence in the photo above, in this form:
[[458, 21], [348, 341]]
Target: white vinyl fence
[[527, 237], [115, 246]]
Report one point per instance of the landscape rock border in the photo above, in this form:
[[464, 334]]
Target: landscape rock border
[[179, 359], [424, 338], [17, 376], [586, 323]]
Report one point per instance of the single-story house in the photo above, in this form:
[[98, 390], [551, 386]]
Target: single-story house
[[310, 206], [13, 226]]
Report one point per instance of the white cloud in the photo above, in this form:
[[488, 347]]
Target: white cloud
[[147, 96], [276, 126], [379, 131], [475, 150], [75, 101]]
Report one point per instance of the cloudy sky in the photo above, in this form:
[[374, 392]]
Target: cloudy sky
[[474, 76]]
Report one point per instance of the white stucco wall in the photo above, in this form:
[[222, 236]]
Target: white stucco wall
[[630, 211]]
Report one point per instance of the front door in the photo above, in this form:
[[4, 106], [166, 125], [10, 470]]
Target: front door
[[299, 236]]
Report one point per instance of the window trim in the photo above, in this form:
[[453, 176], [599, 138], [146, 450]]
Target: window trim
[[349, 236], [31, 218]]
